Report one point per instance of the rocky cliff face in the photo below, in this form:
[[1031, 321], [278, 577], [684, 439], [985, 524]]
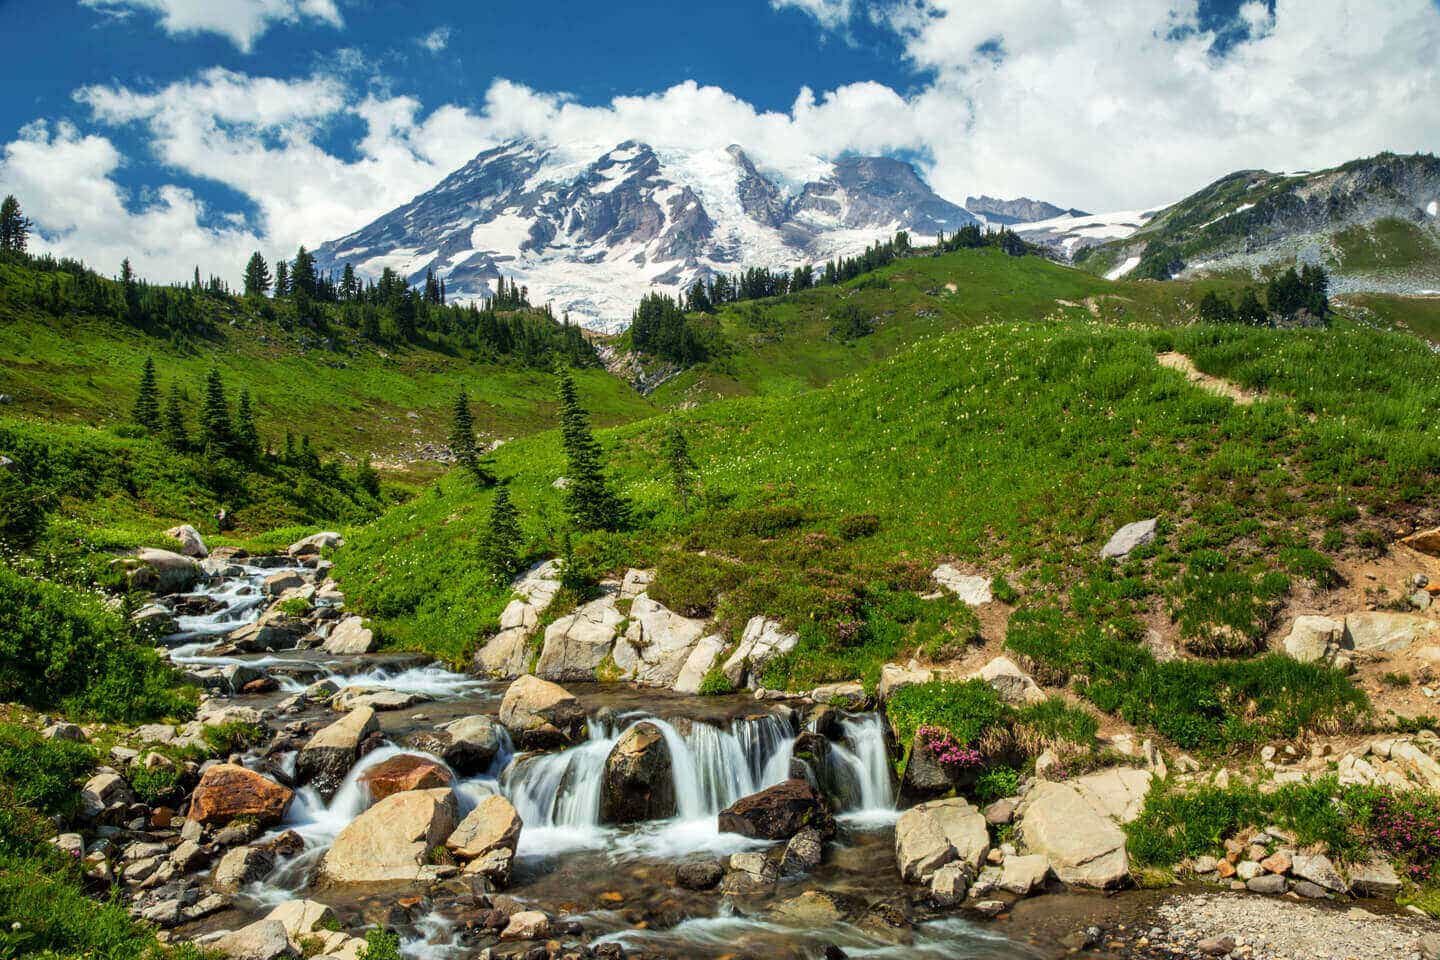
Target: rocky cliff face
[[1021, 210], [593, 232]]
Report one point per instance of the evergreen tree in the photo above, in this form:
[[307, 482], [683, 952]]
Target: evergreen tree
[[349, 287], [247, 436], [462, 441], [131, 289], [588, 498], [177, 437], [257, 276], [1215, 309], [500, 546], [1251, 311], [216, 433], [146, 412], [676, 450], [14, 227], [302, 274], [282, 278]]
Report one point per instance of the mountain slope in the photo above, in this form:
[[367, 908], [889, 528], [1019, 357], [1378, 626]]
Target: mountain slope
[[1374, 223], [592, 230], [1020, 210]]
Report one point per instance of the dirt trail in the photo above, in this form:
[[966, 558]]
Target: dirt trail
[[1215, 385]]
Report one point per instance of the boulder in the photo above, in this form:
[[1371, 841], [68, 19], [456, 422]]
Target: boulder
[[63, 731], [1312, 639], [469, 745], [813, 909], [1013, 685], [351, 636], [376, 698], [327, 757], [228, 791], [316, 542], [577, 644], [699, 874], [1024, 875], [657, 643], [262, 940], [700, 662], [1377, 630], [925, 776], [241, 866], [404, 771], [849, 695], [778, 813], [1129, 538], [526, 925], [1425, 541], [1084, 847], [803, 853], [974, 591], [540, 714], [930, 835], [191, 543], [160, 571], [274, 630], [301, 918], [1117, 793], [635, 583], [492, 825], [762, 641], [895, 677], [506, 653], [1319, 870], [156, 620], [392, 840], [277, 583], [1376, 877], [638, 783]]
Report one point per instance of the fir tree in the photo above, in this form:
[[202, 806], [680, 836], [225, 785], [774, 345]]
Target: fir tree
[[247, 436], [500, 546], [588, 498], [676, 450], [1251, 311], [282, 278], [462, 441], [216, 433], [177, 437], [257, 276], [302, 274], [14, 227], [146, 412]]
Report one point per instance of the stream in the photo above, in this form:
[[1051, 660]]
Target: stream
[[569, 863]]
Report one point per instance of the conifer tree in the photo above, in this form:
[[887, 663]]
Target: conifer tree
[[588, 498], [177, 437], [462, 441], [146, 412], [216, 433], [257, 276], [247, 437], [282, 278], [500, 546], [676, 450], [14, 227]]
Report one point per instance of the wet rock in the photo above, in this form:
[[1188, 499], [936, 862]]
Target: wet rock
[[803, 853], [329, 756], [274, 630], [475, 741], [540, 714], [990, 908], [931, 835], [405, 771], [749, 874], [262, 940], [526, 925], [700, 662], [351, 636], [812, 909], [228, 792], [191, 543], [657, 643], [376, 698], [576, 645], [762, 641], [159, 571], [1375, 878], [1129, 538], [699, 875], [492, 825], [1270, 883], [974, 591], [1308, 890], [779, 812], [638, 784], [392, 840], [241, 866]]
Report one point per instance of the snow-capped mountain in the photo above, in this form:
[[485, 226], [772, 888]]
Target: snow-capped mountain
[[593, 231]]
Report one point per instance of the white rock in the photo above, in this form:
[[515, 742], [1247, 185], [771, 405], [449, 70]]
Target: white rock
[[1130, 537], [1023, 875], [578, 643], [316, 542], [699, 663], [191, 543], [635, 583], [1012, 684], [657, 643], [1083, 846], [930, 835], [1381, 631], [895, 677], [351, 636], [762, 641], [1312, 639], [974, 591]]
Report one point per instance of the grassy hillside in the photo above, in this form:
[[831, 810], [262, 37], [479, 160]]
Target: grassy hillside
[[349, 394], [1417, 315]]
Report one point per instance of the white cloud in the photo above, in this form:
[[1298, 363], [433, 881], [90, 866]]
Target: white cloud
[[242, 21], [437, 39], [831, 14]]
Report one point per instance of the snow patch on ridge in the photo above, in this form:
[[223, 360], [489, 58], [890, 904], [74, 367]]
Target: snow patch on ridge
[[1124, 269]]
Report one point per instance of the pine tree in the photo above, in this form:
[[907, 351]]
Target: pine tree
[[588, 498], [177, 437], [247, 437], [257, 276], [1251, 311], [462, 441], [302, 274], [131, 289], [216, 433], [146, 412], [676, 450], [282, 278], [500, 546], [14, 227]]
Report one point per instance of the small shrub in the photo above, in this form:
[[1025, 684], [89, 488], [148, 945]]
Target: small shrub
[[1051, 723], [380, 944], [997, 783], [858, 526], [1312, 565], [156, 785], [295, 607], [689, 583], [965, 710], [1174, 825], [1407, 826], [715, 683], [1393, 679], [1001, 589]]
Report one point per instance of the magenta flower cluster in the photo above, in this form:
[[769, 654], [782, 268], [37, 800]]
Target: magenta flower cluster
[[949, 751], [1409, 829]]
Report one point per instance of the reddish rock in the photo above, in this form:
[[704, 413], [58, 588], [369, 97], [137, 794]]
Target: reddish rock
[[1225, 869], [261, 685], [778, 813], [405, 771], [228, 791]]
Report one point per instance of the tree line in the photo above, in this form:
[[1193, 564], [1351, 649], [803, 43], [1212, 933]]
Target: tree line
[[1295, 296]]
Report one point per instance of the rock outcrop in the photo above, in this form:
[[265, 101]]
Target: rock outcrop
[[540, 714], [701, 661], [1076, 825], [932, 835], [160, 571], [638, 782], [577, 644], [504, 655], [657, 644], [191, 543], [327, 757], [762, 641]]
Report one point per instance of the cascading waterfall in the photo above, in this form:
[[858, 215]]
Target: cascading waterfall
[[865, 757]]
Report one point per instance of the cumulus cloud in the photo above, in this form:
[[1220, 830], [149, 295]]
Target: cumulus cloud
[[242, 21], [437, 39], [831, 14]]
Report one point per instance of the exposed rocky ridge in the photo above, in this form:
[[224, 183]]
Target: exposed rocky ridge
[[1019, 210]]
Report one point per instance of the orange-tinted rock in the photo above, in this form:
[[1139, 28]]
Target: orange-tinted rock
[[1426, 541], [405, 771], [229, 792]]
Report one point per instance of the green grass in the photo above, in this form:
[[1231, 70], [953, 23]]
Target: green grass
[[1385, 246], [43, 774]]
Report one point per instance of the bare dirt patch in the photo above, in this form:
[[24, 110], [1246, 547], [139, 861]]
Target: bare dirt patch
[[1215, 385]]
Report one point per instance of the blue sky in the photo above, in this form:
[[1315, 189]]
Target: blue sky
[[193, 130]]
